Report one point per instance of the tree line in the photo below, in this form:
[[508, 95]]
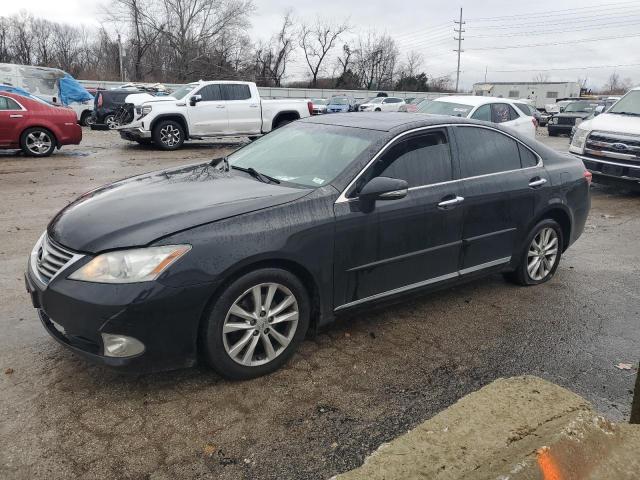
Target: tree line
[[176, 41]]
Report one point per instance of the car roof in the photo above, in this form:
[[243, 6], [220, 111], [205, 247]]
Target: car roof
[[473, 100], [385, 122]]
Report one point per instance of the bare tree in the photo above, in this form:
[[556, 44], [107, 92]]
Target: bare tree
[[375, 61], [615, 85], [541, 77], [273, 57], [317, 40]]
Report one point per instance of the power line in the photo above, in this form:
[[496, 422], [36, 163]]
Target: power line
[[590, 67], [551, 13], [563, 30], [512, 26], [531, 45]]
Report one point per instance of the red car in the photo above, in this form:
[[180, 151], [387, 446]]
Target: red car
[[35, 126]]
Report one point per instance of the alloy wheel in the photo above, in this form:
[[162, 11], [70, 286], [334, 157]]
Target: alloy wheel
[[542, 254], [169, 135], [110, 122], [260, 324], [38, 142]]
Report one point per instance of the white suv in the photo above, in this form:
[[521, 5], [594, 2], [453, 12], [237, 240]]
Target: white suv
[[382, 104]]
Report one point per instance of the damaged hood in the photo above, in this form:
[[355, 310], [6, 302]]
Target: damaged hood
[[136, 211]]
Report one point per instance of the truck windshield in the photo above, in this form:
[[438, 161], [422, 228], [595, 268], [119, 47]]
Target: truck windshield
[[627, 105], [182, 92], [306, 154], [580, 107]]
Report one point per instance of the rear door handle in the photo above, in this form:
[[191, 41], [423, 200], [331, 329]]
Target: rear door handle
[[451, 202], [537, 182], [15, 116], [219, 106], [253, 105]]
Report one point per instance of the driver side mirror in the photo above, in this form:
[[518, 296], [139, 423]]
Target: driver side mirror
[[599, 109], [382, 188], [195, 99]]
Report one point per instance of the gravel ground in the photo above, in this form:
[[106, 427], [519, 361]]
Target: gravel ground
[[361, 382]]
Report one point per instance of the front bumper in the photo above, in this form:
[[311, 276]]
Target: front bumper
[[165, 319], [134, 133], [559, 128], [612, 172]]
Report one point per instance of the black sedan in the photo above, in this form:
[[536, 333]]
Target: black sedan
[[233, 261]]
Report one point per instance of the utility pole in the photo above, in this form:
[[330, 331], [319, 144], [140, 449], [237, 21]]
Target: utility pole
[[485, 73], [120, 58], [459, 38]]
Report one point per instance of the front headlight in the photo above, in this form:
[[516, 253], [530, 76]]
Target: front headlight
[[553, 120], [130, 266], [579, 138]]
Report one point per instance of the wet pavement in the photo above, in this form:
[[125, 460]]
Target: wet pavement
[[361, 382]]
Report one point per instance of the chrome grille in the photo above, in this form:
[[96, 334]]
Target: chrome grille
[[51, 258], [617, 146]]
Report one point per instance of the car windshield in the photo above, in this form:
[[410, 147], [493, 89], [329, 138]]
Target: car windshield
[[445, 108], [318, 101], [182, 92], [629, 104], [306, 154], [376, 100], [339, 101], [580, 107]]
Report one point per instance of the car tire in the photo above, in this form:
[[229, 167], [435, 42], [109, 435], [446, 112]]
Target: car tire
[[168, 135], [544, 244], [552, 133], [254, 138], [37, 142], [85, 118], [378, 110], [224, 331], [110, 122]]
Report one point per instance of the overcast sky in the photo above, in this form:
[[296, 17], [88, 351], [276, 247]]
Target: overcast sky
[[581, 32]]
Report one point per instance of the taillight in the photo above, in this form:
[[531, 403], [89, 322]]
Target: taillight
[[588, 176], [310, 107], [99, 100]]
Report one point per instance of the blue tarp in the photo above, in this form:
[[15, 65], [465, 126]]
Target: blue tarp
[[17, 91], [72, 91]]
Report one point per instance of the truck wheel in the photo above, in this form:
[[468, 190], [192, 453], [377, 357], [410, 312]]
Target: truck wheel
[[552, 133], [168, 135], [86, 119], [110, 122], [37, 142]]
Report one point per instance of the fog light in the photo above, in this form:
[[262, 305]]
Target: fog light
[[121, 345]]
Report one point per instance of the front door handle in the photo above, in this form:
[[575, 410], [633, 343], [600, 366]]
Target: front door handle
[[253, 105], [219, 106], [15, 116], [451, 202], [537, 182]]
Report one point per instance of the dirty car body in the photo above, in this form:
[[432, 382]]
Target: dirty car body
[[356, 226]]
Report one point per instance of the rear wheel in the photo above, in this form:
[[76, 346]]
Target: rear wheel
[[539, 260], [168, 135], [37, 142], [256, 324]]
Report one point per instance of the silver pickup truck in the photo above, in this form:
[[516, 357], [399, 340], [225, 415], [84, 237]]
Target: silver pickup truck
[[207, 109]]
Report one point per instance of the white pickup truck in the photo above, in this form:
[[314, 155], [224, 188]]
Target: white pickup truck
[[609, 143], [207, 109]]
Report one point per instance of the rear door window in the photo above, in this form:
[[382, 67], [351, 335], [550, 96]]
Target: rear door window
[[527, 157], [502, 112], [235, 91], [422, 159], [484, 151], [7, 103]]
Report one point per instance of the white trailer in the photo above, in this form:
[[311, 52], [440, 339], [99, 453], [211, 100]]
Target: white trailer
[[539, 93]]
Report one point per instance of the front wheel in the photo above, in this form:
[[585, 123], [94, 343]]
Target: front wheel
[[256, 324], [168, 135], [111, 122], [539, 260]]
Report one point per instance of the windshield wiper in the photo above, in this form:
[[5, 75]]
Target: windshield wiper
[[256, 174], [634, 114], [217, 161]]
